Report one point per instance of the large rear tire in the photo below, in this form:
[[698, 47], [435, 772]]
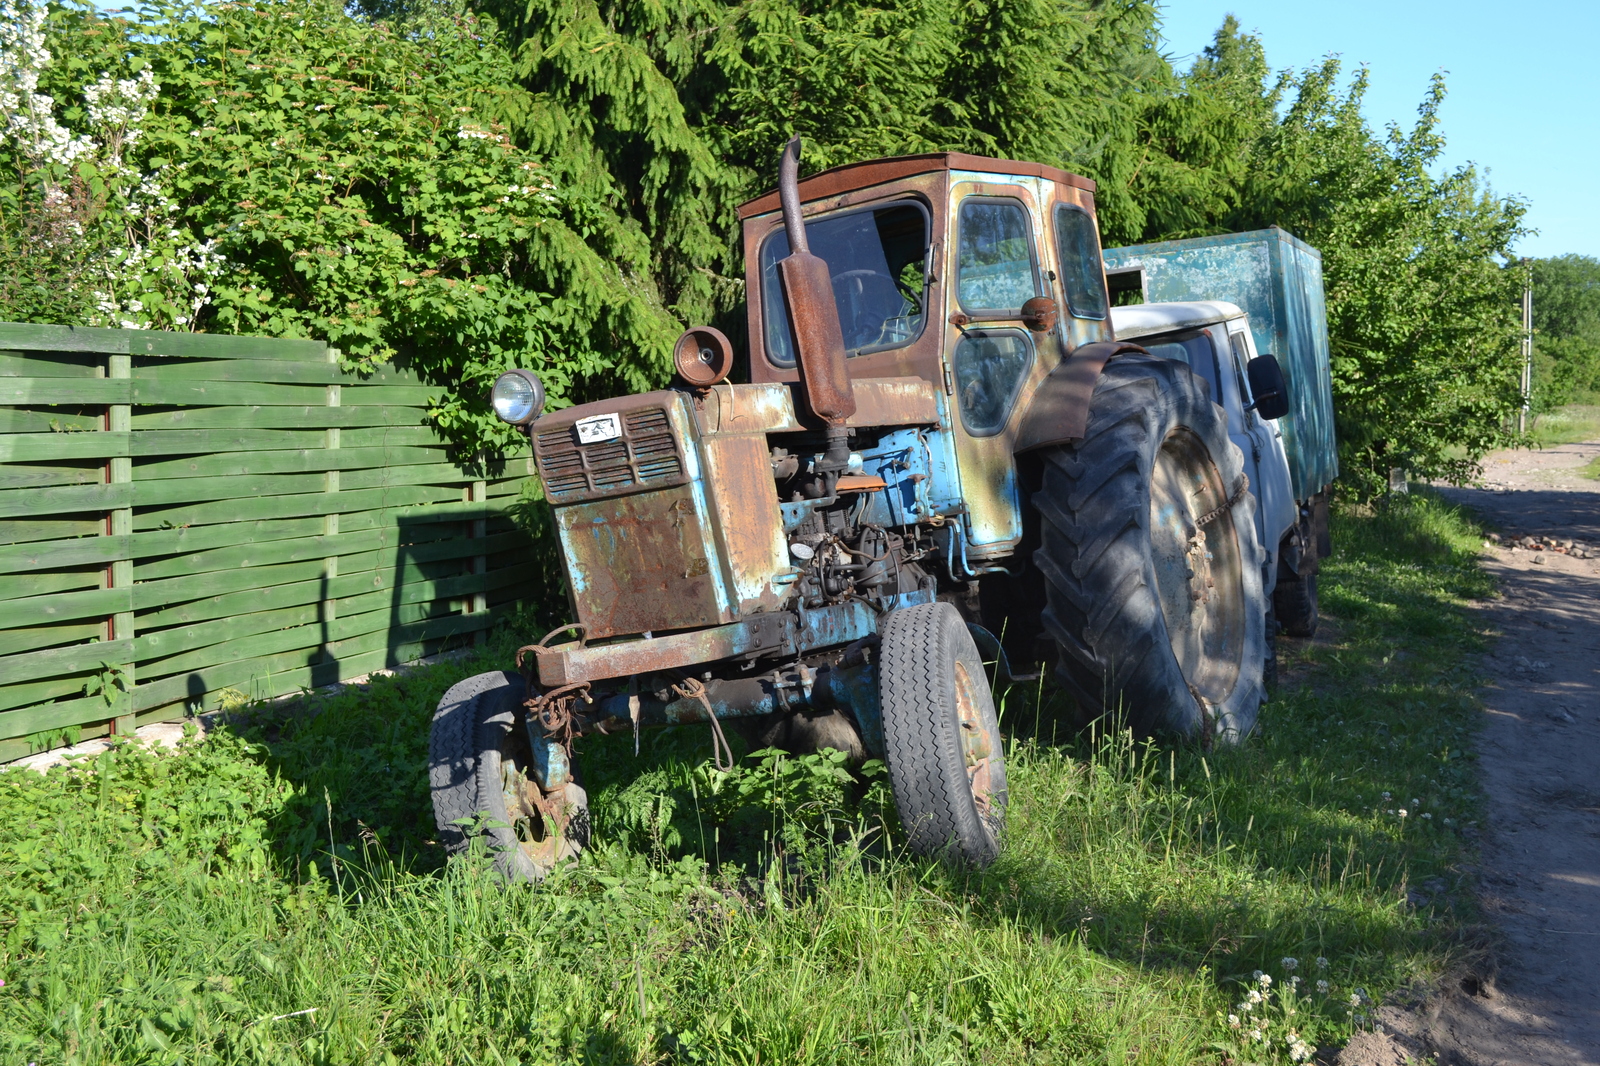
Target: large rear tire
[[1151, 564], [479, 762], [941, 735]]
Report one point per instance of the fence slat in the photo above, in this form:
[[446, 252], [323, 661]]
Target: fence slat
[[52, 555], [47, 716], [23, 447], [22, 586], [72, 418], [35, 503], [294, 506], [40, 477], [69, 660], [48, 529], [49, 365], [318, 372], [25, 336], [42, 692], [205, 441], [77, 392], [246, 416], [13, 641], [303, 460], [223, 346]]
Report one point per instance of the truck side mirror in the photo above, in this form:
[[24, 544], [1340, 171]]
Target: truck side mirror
[[1271, 392]]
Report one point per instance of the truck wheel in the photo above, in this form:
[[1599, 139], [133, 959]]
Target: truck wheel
[[941, 736], [1295, 600], [478, 770], [1151, 564]]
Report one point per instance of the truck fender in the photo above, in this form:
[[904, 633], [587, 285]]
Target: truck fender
[[1059, 410]]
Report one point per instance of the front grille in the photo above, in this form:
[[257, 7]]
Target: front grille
[[647, 455]]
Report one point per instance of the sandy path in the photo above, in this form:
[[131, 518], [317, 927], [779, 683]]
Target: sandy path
[[1540, 758]]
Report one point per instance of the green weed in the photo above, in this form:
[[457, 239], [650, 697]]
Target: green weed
[[274, 893]]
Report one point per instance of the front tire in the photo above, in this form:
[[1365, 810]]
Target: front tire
[[941, 735], [1151, 564], [479, 762]]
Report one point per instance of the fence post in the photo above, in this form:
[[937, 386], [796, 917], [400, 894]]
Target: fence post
[[118, 690], [330, 521]]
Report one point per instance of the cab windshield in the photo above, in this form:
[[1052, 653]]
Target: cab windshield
[[877, 259]]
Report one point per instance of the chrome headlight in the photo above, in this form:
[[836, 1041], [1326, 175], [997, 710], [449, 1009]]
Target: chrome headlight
[[517, 397]]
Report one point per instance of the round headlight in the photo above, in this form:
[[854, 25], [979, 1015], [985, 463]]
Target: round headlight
[[517, 397]]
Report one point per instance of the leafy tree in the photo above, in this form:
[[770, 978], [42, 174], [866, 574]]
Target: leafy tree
[[1566, 322], [1421, 285], [360, 182]]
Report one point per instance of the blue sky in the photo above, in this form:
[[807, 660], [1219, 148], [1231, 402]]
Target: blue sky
[[1524, 99]]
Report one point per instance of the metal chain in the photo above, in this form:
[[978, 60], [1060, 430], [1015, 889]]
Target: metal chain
[[721, 752], [1238, 494]]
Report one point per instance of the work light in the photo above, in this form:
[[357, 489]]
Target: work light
[[517, 397]]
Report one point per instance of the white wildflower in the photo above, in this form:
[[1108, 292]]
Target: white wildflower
[[1289, 963], [1322, 987]]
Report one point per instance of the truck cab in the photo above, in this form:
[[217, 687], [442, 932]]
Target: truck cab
[[1213, 338]]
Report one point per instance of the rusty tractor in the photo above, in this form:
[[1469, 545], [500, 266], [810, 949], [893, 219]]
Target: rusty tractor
[[943, 473]]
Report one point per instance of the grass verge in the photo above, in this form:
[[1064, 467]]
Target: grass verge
[[272, 895], [1566, 425]]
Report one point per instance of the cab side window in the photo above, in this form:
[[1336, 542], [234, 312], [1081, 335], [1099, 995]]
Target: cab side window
[[995, 266], [990, 367], [1082, 274]]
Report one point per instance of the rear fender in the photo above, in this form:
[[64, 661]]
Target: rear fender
[[1059, 409]]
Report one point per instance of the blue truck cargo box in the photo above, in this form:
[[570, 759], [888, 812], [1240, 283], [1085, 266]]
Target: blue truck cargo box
[[1276, 279]]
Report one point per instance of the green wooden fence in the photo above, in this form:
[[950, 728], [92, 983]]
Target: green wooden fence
[[186, 514]]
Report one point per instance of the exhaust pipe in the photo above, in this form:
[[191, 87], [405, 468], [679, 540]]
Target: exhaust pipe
[[814, 318]]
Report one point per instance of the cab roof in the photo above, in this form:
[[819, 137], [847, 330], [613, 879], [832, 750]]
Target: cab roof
[[877, 171], [1143, 320]]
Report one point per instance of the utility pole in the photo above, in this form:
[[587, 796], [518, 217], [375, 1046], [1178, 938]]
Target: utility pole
[[1527, 344]]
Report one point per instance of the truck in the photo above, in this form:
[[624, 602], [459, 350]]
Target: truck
[[1227, 303], [943, 471]]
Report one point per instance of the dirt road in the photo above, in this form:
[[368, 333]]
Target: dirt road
[[1540, 756]]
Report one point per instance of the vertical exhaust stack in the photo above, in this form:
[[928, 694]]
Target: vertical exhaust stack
[[814, 317]]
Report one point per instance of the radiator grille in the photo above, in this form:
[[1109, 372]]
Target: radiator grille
[[646, 455]]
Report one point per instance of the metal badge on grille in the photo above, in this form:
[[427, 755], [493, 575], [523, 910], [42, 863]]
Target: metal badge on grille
[[599, 428]]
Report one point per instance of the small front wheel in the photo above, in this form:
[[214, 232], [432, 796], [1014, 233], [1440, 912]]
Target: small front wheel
[[941, 735], [480, 774]]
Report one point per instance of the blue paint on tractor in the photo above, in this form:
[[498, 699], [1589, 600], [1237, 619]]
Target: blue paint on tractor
[[550, 765]]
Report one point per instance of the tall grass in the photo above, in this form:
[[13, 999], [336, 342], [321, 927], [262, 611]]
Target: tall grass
[[273, 894], [1566, 425]]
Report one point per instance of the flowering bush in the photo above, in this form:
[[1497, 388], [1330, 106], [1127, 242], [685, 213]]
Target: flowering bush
[[81, 208], [284, 168]]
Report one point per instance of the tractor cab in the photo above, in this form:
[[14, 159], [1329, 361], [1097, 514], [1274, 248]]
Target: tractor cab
[[976, 275]]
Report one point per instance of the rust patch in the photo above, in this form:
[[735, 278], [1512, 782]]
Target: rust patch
[[638, 563], [748, 523], [860, 483], [568, 664], [771, 408]]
